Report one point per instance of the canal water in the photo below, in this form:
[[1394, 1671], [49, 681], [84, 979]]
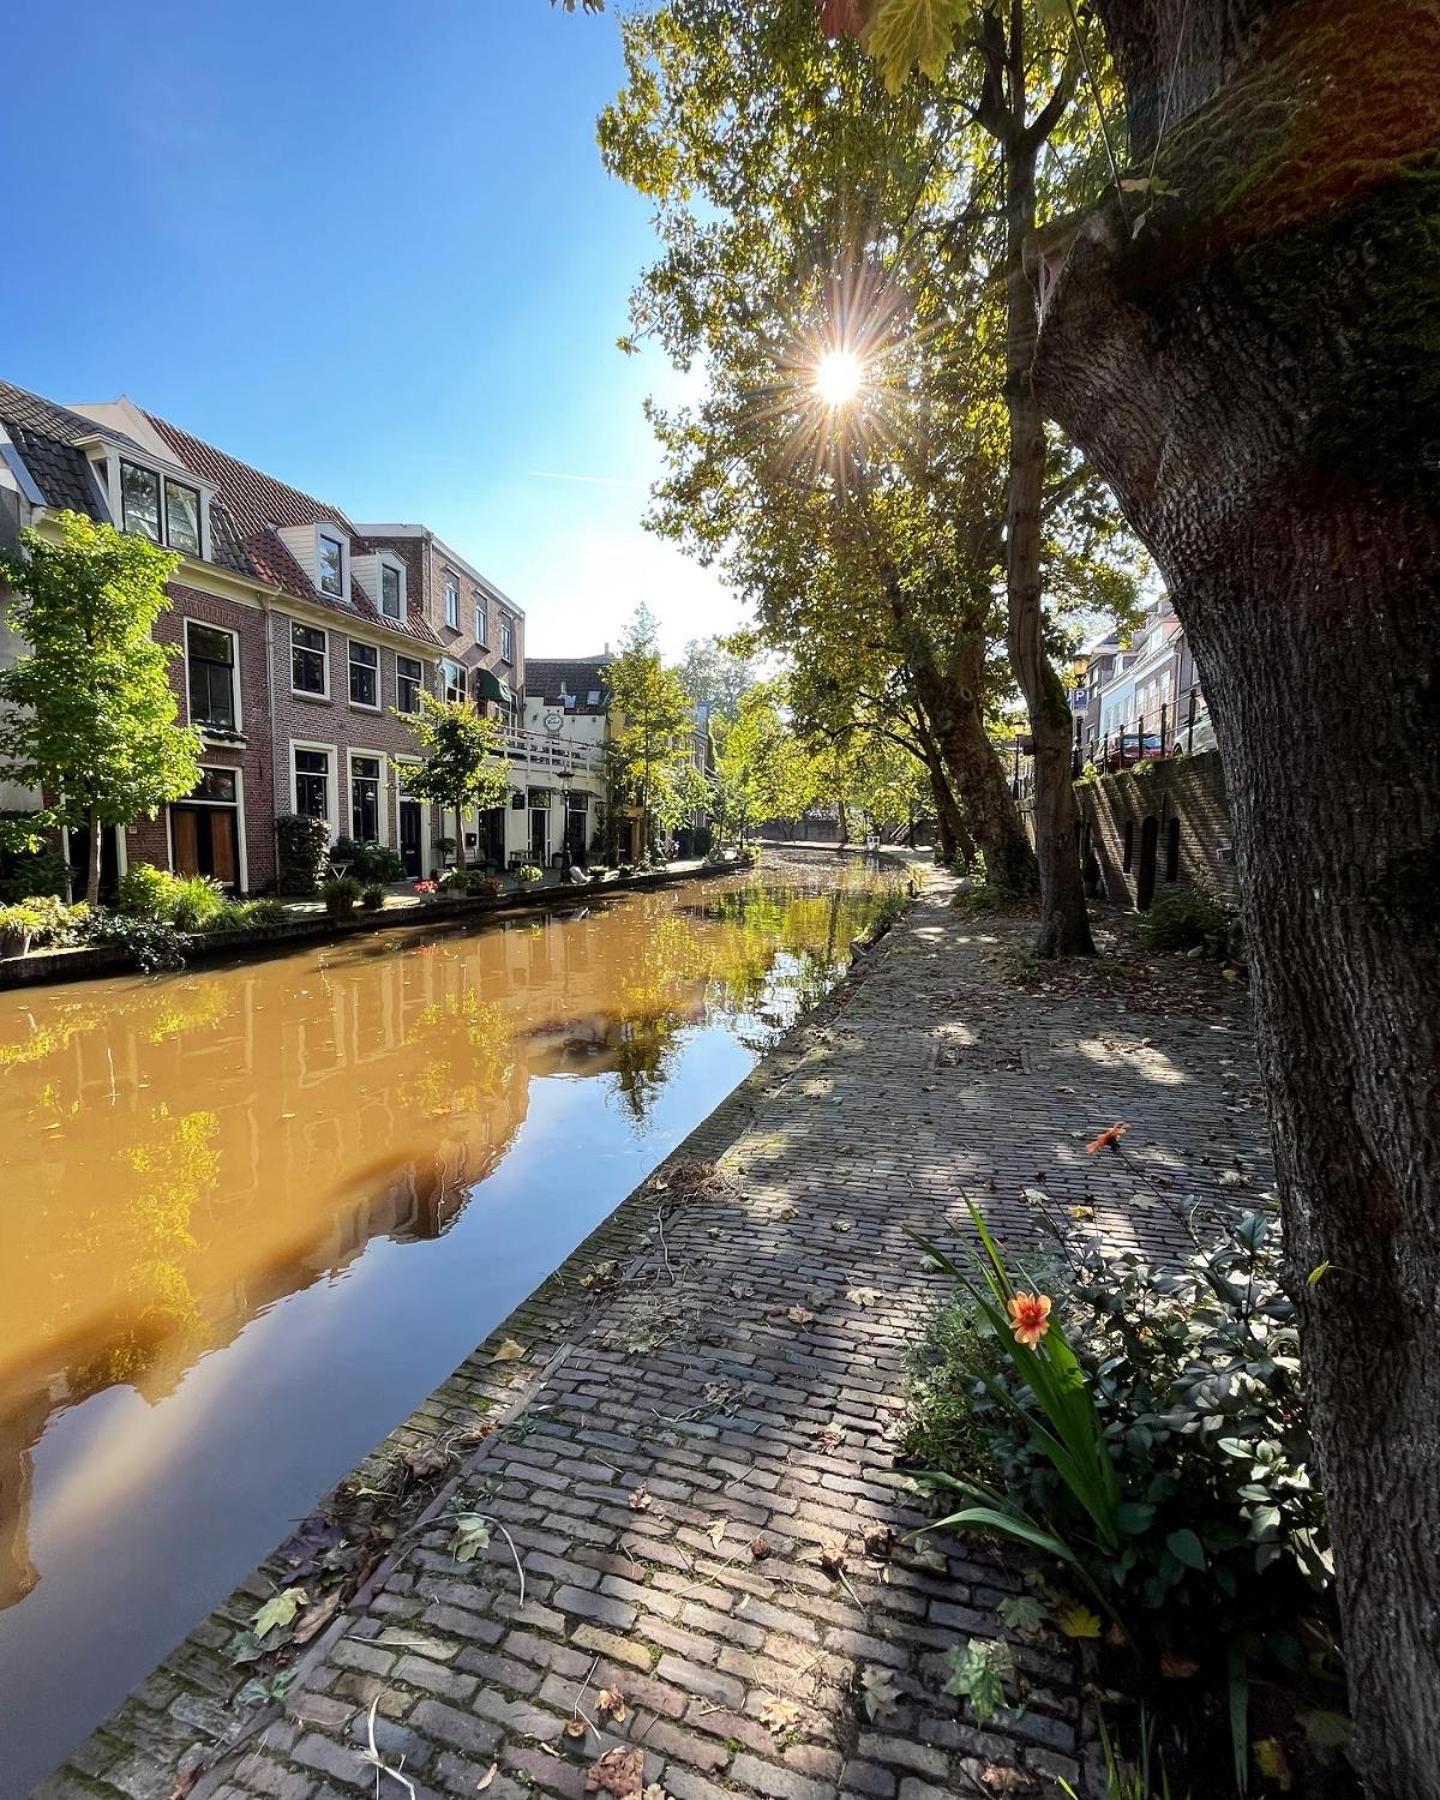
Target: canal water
[[250, 1216]]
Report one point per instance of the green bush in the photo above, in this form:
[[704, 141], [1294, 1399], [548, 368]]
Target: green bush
[[58, 925], [1182, 921], [197, 903], [456, 881], [145, 892], [1153, 1440], [302, 844], [368, 862], [152, 944], [32, 874], [340, 894], [530, 872], [372, 896], [249, 915]]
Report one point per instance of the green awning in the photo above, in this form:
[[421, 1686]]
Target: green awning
[[489, 686]]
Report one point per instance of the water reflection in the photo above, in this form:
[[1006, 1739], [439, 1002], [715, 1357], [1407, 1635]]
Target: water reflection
[[184, 1152]]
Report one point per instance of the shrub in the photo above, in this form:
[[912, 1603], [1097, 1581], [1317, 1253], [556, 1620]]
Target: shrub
[[32, 874], [369, 862], [57, 924], [1152, 1439], [1182, 921], [340, 894], [145, 892], [249, 915], [302, 844], [372, 896], [197, 903], [530, 873], [456, 882], [17, 928], [488, 887], [152, 944]]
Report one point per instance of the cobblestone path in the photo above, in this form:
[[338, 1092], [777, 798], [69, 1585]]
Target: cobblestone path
[[694, 1459]]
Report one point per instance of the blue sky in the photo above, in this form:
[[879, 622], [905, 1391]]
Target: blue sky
[[369, 247]]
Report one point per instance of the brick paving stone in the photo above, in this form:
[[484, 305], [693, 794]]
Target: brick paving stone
[[925, 1076]]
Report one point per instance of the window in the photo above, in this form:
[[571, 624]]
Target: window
[[480, 627], [454, 679], [210, 659], [408, 676], [312, 783], [182, 517], [364, 675], [331, 560], [140, 501], [391, 599], [507, 638], [593, 697], [452, 602], [217, 786], [365, 799], [309, 661]]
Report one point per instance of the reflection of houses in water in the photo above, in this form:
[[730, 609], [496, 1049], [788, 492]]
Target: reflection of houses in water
[[193, 1150]]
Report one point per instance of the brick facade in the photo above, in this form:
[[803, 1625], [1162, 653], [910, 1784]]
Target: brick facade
[[1179, 805]]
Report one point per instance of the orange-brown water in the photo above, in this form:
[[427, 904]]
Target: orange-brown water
[[249, 1216]]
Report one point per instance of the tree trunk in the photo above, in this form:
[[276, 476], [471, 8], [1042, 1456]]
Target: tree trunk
[[93, 855], [1064, 919], [1248, 376], [956, 846]]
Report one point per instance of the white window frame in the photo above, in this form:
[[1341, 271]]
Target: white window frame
[[342, 543], [482, 620], [451, 662], [363, 705], [332, 790], [187, 620], [419, 663], [394, 563], [166, 483], [308, 693], [383, 799], [452, 601], [507, 638]]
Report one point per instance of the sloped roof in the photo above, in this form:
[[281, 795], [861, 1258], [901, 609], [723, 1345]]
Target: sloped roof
[[46, 436], [580, 676]]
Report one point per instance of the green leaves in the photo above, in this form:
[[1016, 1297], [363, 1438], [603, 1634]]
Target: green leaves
[[472, 1535], [904, 34], [979, 1673], [279, 1610]]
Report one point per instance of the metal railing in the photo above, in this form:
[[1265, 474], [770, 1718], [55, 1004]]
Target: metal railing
[[556, 756], [1166, 731]]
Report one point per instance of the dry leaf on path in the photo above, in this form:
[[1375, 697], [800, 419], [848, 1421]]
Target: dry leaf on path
[[1004, 1778], [832, 1558], [780, 1715], [799, 1315], [611, 1702], [279, 1609], [487, 1778], [316, 1618], [861, 1296], [759, 1548], [879, 1538], [641, 1500], [575, 1728], [619, 1772], [716, 1530], [509, 1351], [880, 1691]]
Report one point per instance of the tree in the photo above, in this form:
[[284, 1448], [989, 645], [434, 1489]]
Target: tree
[[1240, 331], [762, 771], [870, 534], [716, 675], [90, 715], [652, 742], [464, 764]]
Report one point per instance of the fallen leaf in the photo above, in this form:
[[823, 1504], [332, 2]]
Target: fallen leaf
[[654, 1792], [842, 1224], [618, 1771], [829, 1437], [880, 1693], [472, 1535], [279, 1610], [861, 1296], [184, 1783], [487, 1778], [611, 1702], [779, 1715], [575, 1728], [1081, 1212], [832, 1558], [1272, 1762], [716, 1530], [1005, 1778], [1175, 1667], [1109, 1138], [879, 1538], [759, 1548], [425, 1459], [509, 1351], [1079, 1622], [641, 1499], [316, 1618], [799, 1315]]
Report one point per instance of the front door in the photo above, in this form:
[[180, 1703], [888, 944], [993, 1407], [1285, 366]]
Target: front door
[[78, 856], [206, 842], [412, 850], [539, 835]]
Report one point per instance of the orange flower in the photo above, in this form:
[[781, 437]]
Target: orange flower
[[1107, 1139], [1030, 1318]]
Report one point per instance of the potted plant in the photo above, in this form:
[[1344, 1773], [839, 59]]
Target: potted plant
[[340, 894], [426, 890], [372, 896], [488, 887], [17, 927], [529, 872]]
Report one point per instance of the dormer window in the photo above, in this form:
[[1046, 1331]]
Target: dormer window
[[166, 512], [330, 561], [392, 598]]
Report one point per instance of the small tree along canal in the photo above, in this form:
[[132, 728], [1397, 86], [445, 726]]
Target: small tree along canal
[[253, 1215]]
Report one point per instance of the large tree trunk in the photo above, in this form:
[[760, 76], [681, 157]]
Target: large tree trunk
[[1255, 375], [1064, 920]]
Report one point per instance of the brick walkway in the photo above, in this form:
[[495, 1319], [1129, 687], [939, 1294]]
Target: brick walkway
[[705, 1419]]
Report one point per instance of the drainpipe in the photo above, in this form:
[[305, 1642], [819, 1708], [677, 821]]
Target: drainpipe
[[268, 617]]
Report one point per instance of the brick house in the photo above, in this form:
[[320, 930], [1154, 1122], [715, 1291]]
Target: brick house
[[300, 637]]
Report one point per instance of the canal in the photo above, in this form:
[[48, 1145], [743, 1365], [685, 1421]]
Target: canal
[[252, 1215]]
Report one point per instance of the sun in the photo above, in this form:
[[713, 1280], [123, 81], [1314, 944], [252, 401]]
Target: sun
[[839, 377]]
